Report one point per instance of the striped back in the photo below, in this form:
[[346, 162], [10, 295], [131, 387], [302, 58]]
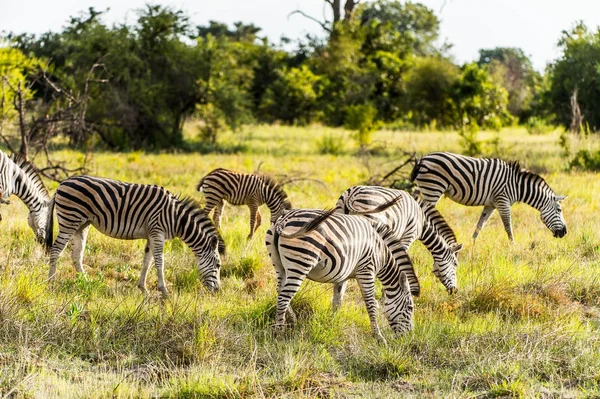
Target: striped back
[[409, 222], [19, 177], [242, 188], [341, 244], [484, 181], [138, 211]]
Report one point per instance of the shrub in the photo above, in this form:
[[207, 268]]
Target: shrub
[[586, 160], [538, 126], [330, 144], [362, 119]]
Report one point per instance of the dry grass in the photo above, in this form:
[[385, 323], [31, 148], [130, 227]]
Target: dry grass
[[525, 322]]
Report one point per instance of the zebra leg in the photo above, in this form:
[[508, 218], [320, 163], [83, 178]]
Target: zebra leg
[[339, 289], [218, 213], [485, 215], [145, 265], [61, 241], [157, 244], [504, 211], [279, 270], [366, 283], [289, 288], [78, 247], [253, 226]]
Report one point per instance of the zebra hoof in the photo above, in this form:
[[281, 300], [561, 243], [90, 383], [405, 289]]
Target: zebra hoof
[[379, 338]]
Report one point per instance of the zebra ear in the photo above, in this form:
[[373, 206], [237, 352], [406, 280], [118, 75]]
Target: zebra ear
[[559, 198], [404, 282], [456, 248]]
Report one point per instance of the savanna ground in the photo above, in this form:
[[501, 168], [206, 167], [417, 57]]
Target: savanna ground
[[525, 322]]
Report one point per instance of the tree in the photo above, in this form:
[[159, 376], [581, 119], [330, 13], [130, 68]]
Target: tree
[[576, 71], [480, 102], [512, 69]]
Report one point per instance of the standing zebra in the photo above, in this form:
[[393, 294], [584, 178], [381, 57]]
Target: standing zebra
[[19, 177], [236, 188], [490, 182], [134, 211], [408, 221], [330, 247]]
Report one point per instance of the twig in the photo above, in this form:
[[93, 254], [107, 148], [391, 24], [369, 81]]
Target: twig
[[323, 24]]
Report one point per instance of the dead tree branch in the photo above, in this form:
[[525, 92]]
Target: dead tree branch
[[324, 25]]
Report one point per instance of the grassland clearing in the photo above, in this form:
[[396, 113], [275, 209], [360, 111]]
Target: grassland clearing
[[525, 322]]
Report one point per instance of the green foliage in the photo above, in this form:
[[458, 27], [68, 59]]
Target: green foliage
[[429, 85], [292, 98], [586, 160], [362, 119], [511, 69], [536, 125], [16, 72], [330, 144], [577, 69], [480, 102]]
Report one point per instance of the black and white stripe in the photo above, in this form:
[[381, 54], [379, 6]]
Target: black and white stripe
[[330, 247], [236, 188], [488, 182], [134, 211], [19, 177], [408, 221]]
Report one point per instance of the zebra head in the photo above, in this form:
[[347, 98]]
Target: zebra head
[[445, 263], [398, 306], [197, 230], [552, 216], [40, 221]]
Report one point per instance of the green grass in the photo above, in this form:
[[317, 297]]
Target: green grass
[[525, 323]]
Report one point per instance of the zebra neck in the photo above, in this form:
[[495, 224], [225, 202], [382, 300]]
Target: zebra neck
[[433, 241], [26, 190], [389, 274], [531, 191]]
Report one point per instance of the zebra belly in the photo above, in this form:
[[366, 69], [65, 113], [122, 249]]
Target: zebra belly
[[325, 272], [136, 233]]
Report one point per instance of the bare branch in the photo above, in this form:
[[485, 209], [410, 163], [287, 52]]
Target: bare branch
[[323, 24]]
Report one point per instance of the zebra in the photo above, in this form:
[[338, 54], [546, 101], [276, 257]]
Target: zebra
[[490, 182], [237, 188], [408, 220], [329, 247], [19, 177], [135, 211]]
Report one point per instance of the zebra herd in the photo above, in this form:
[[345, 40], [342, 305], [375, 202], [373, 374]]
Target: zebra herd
[[365, 237]]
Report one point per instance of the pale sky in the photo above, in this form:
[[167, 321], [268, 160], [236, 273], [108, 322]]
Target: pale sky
[[533, 25]]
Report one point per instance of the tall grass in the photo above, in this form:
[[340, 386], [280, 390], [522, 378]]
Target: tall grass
[[525, 323]]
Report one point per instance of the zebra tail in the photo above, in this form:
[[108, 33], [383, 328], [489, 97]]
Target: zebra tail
[[310, 226], [50, 226], [415, 171], [382, 207]]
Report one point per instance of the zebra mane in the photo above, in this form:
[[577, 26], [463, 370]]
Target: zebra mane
[[195, 209], [31, 172], [277, 188], [527, 174]]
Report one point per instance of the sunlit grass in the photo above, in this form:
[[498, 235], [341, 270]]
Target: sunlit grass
[[525, 322]]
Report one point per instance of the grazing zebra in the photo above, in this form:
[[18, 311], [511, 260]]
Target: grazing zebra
[[243, 189], [329, 247], [408, 221], [19, 177], [134, 211], [490, 182]]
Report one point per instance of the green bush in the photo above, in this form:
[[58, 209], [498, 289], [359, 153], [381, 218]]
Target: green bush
[[538, 126], [330, 144], [586, 160], [362, 119]]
